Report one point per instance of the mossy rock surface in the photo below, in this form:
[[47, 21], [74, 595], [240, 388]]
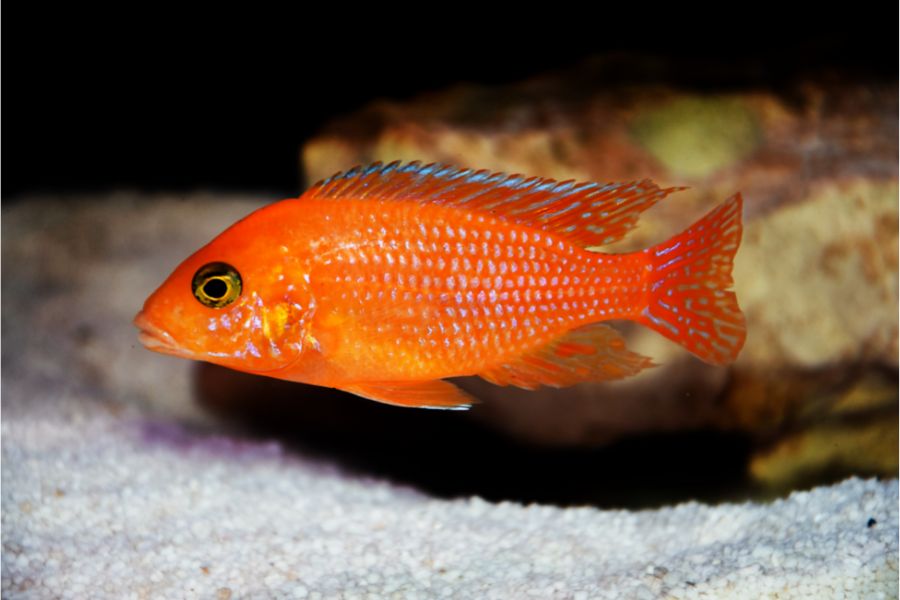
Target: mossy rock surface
[[697, 136]]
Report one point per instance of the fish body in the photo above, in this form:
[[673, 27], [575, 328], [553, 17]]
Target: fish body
[[383, 281]]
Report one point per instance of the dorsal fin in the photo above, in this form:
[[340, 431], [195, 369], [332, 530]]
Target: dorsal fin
[[588, 214]]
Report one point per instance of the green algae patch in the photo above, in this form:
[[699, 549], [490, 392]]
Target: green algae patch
[[696, 136]]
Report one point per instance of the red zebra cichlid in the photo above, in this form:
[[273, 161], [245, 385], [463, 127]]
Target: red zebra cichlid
[[382, 281]]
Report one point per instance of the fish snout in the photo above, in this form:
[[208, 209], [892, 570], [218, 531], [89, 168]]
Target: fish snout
[[155, 338]]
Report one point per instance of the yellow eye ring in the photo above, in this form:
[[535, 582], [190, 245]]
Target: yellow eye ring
[[216, 284]]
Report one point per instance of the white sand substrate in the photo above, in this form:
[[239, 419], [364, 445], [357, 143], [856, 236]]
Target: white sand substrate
[[103, 506]]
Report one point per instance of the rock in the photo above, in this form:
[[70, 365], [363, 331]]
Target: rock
[[817, 271], [845, 427], [816, 164]]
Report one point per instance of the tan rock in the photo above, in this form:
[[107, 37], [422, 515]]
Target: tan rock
[[818, 173], [852, 430], [817, 271]]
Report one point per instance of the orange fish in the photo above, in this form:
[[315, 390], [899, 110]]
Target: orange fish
[[382, 281]]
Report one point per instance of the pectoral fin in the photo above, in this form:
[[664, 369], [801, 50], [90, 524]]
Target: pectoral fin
[[421, 394], [591, 353]]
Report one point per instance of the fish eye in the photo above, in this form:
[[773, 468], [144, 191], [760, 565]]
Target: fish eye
[[216, 284]]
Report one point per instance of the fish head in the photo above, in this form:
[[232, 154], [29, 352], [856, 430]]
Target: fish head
[[239, 303]]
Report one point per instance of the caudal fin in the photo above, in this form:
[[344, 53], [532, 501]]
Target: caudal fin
[[690, 301]]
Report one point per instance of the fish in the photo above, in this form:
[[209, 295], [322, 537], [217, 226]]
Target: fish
[[385, 280]]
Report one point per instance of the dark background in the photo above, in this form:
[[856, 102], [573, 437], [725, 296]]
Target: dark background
[[157, 99]]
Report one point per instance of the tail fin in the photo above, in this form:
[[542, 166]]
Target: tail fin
[[689, 300]]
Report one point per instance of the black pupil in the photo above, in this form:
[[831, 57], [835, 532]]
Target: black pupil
[[215, 288]]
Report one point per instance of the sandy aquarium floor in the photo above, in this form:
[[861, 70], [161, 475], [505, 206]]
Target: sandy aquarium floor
[[116, 483]]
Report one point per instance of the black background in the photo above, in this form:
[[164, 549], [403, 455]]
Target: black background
[[157, 99]]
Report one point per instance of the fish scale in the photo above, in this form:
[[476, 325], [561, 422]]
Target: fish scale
[[464, 288], [383, 280]]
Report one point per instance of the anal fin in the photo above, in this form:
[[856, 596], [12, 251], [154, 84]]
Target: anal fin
[[594, 352], [421, 394]]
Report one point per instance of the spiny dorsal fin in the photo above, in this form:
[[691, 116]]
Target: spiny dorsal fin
[[588, 214]]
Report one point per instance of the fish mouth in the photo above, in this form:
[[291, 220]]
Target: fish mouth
[[157, 339]]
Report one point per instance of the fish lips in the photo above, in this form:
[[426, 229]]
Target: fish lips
[[157, 339]]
